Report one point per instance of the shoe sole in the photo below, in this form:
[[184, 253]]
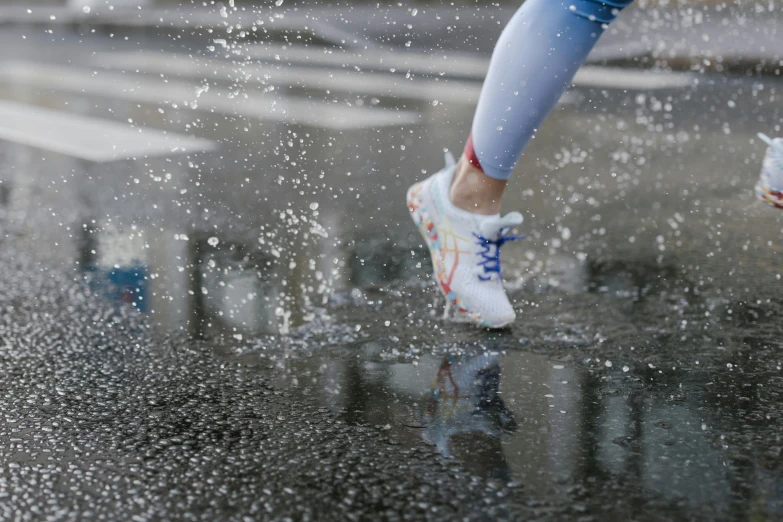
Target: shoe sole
[[769, 196], [421, 218]]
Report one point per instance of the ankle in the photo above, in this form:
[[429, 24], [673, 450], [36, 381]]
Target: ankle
[[474, 191]]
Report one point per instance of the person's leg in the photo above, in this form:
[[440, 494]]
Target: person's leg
[[457, 209], [534, 62]]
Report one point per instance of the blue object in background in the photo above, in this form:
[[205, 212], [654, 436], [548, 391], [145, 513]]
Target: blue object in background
[[127, 284]]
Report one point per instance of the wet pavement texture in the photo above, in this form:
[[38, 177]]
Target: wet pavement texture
[[251, 332]]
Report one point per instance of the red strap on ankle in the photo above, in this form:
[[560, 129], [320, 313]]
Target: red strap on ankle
[[470, 153]]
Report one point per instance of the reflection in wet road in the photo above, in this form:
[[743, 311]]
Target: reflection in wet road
[[644, 374], [520, 417]]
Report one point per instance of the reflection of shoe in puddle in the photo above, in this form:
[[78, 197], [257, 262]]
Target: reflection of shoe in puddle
[[465, 399], [465, 250], [770, 185]]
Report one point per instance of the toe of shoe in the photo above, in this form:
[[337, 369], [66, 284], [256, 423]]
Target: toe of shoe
[[499, 319]]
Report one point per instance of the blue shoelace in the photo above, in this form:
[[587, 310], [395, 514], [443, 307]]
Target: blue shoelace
[[491, 262]]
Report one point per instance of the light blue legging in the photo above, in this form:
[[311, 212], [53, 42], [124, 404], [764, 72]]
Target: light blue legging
[[533, 64]]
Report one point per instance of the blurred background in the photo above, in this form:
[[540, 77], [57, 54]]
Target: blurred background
[[234, 172]]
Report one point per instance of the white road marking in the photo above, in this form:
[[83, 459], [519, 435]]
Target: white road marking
[[367, 83], [457, 64], [632, 79], [88, 138], [263, 106], [293, 25]]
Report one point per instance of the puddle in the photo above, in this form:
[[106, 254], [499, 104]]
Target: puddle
[[520, 417]]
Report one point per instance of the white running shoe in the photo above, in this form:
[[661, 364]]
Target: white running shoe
[[465, 249], [770, 186]]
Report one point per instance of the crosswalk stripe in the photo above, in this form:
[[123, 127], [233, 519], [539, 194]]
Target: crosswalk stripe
[[459, 64], [454, 64], [374, 84], [368, 83], [632, 79], [263, 106], [89, 138]]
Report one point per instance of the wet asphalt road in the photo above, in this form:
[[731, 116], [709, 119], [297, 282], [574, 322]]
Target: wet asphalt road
[[251, 332]]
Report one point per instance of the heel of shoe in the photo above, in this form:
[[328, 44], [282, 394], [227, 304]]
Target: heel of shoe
[[413, 197], [768, 196], [415, 207]]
